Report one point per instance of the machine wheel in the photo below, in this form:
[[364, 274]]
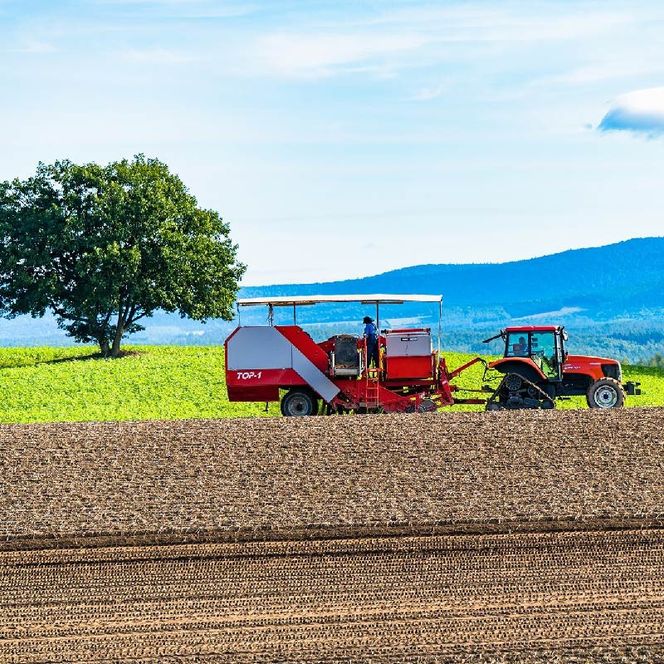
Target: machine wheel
[[427, 406], [606, 393], [298, 403]]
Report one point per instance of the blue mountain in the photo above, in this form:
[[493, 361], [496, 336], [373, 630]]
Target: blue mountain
[[604, 281]]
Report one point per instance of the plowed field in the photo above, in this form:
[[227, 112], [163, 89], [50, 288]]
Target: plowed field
[[510, 597], [500, 537], [323, 477]]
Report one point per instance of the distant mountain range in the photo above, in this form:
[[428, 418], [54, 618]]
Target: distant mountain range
[[611, 298], [603, 281]]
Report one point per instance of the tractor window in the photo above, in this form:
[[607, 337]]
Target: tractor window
[[543, 352], [517, 344]]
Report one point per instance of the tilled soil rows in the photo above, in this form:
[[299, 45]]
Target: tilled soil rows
[[456, 537], [543, 598], [321, 477]]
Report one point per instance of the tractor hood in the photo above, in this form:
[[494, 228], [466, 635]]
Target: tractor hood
[[585, 360], [595, 367]]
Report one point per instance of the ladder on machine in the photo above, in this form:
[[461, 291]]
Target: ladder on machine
[[371, 384]]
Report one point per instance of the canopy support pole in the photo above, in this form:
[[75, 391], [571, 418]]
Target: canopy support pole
[[440, 323]]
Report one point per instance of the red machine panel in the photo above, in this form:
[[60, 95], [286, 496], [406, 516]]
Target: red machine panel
[[259, 384], [409, 367], [261, 360], [408, 354]]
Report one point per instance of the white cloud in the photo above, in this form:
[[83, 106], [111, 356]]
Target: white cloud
[[640, 111], [605, 71], [404, 38], [148, 2], [507, 22], [187, 8], [315, 55]]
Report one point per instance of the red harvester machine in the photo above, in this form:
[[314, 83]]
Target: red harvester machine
[[267, 361], [282, 362]]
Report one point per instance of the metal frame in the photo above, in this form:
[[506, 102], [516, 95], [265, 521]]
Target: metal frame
[[285, 300], [307, 300]]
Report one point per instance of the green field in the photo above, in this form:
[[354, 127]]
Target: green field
[[164, 382]]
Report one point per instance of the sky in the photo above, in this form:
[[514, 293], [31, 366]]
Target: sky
[[345, 138]]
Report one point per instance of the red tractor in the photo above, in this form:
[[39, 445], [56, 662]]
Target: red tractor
[[537, 370]]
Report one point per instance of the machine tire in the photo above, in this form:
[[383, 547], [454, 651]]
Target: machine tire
[[299, 403], [606, 393]]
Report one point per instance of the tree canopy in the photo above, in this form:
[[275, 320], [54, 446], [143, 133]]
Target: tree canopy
[[104, 247]]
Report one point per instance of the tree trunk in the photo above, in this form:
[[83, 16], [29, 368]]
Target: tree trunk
[[119, 329], [117, 340], [104, 346]]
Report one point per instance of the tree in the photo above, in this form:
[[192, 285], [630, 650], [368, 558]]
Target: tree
[[103, 247]]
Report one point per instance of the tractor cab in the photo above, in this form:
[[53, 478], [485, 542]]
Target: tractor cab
[[544, 346]]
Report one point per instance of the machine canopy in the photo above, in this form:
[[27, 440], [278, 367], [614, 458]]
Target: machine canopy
[[300, 300]]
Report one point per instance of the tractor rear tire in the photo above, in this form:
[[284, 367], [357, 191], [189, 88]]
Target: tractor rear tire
[[299, 403], [606, 393]]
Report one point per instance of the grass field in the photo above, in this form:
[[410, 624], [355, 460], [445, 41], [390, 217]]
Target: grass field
[[164, 382]]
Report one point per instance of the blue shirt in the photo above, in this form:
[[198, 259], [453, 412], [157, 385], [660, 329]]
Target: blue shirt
[[371, 332]]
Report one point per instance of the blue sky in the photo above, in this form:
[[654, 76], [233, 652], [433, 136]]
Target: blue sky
[[347, 138]]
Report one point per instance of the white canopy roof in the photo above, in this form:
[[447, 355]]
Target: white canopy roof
[[292, 300]]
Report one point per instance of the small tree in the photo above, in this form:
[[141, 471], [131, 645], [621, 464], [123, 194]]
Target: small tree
[[103, 247]]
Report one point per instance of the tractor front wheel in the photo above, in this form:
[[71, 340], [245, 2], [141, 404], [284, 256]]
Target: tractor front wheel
[[606, 393], [299, 403]]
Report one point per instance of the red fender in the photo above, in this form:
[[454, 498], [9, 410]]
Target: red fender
[[508, 364]]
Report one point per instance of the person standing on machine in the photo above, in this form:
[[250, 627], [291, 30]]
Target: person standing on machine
[[371, 335]]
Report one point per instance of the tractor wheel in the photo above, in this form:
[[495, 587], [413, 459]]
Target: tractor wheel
[[298, 403], [513, 382], [606, 393]]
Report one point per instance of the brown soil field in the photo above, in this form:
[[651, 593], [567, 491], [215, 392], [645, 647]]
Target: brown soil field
[[456, 537], [553, 597], [262, 479]]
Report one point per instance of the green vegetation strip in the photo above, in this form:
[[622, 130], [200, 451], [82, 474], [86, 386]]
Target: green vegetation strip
[[168, 382]]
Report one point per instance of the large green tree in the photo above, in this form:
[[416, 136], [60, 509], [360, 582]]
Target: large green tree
[[103, 247]]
